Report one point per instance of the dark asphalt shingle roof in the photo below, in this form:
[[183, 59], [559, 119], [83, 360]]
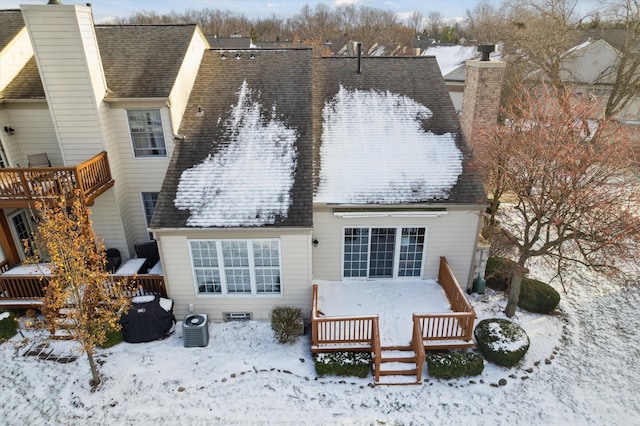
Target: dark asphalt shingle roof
[[11, 23], [283, 78], [142, 60], [139, 61], [416, 77], [300, 87]]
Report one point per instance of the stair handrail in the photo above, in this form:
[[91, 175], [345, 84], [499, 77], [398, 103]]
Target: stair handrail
[[418, 347], [377, 350]]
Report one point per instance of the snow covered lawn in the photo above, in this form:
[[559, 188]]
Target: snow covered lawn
[[581, 369]]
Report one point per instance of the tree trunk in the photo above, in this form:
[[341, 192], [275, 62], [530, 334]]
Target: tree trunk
[[514, 292], [94, 368]]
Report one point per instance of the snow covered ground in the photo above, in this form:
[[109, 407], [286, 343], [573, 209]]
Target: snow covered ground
[[581, 369]]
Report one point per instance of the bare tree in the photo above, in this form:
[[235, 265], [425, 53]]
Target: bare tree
[[626, 86], [435, 24], [416, 22], [485, 23], [314, 26], [573, 188]]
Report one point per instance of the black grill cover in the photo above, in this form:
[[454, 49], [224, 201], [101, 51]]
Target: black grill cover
[[147, 320]]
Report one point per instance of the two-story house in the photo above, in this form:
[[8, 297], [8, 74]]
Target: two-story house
[[257, 171]]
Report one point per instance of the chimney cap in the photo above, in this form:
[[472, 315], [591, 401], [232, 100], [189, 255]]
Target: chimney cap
[[486, 49]]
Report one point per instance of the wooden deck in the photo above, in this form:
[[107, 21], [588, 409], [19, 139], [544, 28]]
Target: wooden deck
[[21, 187], [430, 331], [28, 291]]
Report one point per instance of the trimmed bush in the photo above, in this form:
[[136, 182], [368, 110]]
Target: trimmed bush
[[8, 325], [501, 341], [449, 365], [356, 364], [537, 296], [287, 324], [498, 273]]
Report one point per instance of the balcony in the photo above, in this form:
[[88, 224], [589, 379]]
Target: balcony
[[21, 187]]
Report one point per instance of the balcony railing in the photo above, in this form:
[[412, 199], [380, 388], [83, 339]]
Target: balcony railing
[[21, 187], [26, 291]]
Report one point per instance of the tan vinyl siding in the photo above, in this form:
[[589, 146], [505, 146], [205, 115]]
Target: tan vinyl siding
[[73, 80], [34, 133], [107, 224], [136, 175], [186, 77], [295, 274], [452, 235], [14, 57]]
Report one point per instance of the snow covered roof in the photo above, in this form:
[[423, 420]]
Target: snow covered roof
[[389, 135], [276, 127], [245, 160], [451, 57]]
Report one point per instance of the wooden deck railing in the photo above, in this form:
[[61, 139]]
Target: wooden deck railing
[[418, 347], [439, 330], [29, 290], [347, 333], [21, 187]]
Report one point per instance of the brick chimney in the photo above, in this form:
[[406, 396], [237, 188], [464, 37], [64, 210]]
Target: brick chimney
[[482, 89]]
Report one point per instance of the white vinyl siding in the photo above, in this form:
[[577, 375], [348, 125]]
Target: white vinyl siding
[[147, 134], [236, 267]]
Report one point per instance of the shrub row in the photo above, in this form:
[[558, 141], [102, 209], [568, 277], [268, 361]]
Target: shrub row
[[356, 364], [453, 364]]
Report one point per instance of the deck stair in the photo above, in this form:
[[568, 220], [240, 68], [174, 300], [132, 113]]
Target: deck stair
[[398, 366]]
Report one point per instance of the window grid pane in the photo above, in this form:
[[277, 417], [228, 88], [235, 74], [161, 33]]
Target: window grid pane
[[236, 261], [238, 280], [208, 281], [411, 251], [205, 262], [382, 252], [268, 280], [356, 248], [146, 133]]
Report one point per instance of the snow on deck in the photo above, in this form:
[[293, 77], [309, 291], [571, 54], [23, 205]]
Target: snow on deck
[[375, 150], [394, 301], [247, 182]]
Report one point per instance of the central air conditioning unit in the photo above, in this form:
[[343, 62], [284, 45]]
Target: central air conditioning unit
[[195, 330]]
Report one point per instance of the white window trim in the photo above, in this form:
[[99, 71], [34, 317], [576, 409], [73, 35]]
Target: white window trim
[[164, 134], [222, 272], [396, 252]]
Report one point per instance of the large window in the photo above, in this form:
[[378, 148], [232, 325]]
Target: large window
[[146, 133], [236, 266], [383, 252]]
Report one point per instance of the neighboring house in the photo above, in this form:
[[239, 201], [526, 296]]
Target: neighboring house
[[73, 90], [590, 69], [260, 170]]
